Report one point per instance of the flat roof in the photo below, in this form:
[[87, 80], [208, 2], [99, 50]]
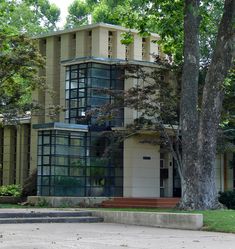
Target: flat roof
[[61, 126], [109, 61], [91, 26]]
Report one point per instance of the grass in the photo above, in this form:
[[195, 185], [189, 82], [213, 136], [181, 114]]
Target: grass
[[11, 206], [214, 220], [219, 220]]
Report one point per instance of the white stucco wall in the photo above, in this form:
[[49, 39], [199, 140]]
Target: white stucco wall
[[141, 176]]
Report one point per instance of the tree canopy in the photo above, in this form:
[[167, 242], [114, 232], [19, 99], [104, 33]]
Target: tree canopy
[[19, 57], [28, 16]]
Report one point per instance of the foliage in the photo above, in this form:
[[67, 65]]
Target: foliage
[[19, 63], [42, 203], [154, 98], [227, 198], [11, 190], [101, 11], [19, 56], [28, 16], [78, 14]]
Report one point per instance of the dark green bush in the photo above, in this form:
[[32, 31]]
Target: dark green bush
[[11, 190], [227, 198], [30, 185]]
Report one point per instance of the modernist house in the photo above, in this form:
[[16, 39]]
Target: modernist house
[[70, 153]]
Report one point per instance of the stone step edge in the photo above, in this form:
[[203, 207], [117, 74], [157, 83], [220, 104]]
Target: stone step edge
[[44, 214], [85, 219]]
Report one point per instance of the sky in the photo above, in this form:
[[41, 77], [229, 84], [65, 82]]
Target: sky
[[63, 5]]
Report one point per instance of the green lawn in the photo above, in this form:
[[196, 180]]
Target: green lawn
[[219, 220], [11, 206]]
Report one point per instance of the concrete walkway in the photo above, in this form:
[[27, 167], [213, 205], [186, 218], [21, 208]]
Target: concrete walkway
[[107, 236]]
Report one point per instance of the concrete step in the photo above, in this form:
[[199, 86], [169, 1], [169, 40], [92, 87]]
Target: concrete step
[[31, 214], [86, 219], [46, 216]]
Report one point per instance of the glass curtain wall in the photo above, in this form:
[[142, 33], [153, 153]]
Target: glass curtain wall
[[61, 163], [74, 163], [84, 84], [78, 164]]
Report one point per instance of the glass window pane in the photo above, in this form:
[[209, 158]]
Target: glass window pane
[[45, 191], [99, 73], [74, 84], [74, 74], [81, 92], [73, 113], [60, 160], [74, 93], [39, 160], [39, 150], [46, 139], [45, 180], [67, 85], [67, 75], [77, 171], [67, 114], [101, 83], [39, 140], [46, 150], [62, 150], [77, 141], [46, 170], [82, 73], [67, 94], [63, 171], [62, 140], [82, 102], [39, 169], [46, 160]]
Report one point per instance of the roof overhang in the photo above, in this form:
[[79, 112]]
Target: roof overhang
[[61, 126], [111, 27], [109, 61]]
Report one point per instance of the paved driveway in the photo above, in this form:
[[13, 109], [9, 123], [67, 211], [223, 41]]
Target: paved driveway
[[107, 236]]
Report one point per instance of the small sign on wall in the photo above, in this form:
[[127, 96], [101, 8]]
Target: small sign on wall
[[146, 158]]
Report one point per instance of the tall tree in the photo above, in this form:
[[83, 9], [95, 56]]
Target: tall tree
[[204, 194]]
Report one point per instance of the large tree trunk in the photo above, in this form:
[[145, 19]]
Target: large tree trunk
[[199, 141], [212, 100], [189, 104]]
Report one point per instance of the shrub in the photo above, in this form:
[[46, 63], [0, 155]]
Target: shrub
[[30, 185], [11, 190], [227, 198]]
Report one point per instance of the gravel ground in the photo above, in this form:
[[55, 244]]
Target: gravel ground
[[107, 236]]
